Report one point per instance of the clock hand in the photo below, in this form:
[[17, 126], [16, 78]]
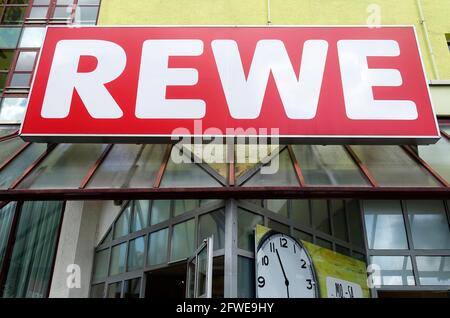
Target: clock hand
[[286, 281]]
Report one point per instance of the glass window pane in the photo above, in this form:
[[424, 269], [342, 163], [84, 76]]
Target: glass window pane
[[25, 62], [342, 250], [114, 290], [64, 2], [6, 57], [157, 247], [246, 226], [6, 218], [122, 226], [300, 212], [146, 166], [97, 291], [278, 206], [354, 222], [32, 37], [65, 167], [9, 147], [427, 217], [201, 272], [183, 240], [391, 166], [302, 236], [101, 264], [279, 227], [437, 156], [14, 169], [6, 130], [13, 15], [394, 270], [320, 217], [246, 277], [213, 224], [184, 173], [160, 211], [281, 173], [434, 270], [136, 254], [3, 78], [132, 288], [118, 167], [385, 226], [36, 237], [324, 243], [38, 13], [88, 2], [86, 14], [182, 206], [359, 256], [9, 37], [140, 215], [62, 12], [108, 237], [218, 277], [13, 109], [248, 155], [20, 80], [118, 255], [339, 221], [328, 165], [41, 2]]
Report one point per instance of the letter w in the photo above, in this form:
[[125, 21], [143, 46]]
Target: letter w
[[300, 96]]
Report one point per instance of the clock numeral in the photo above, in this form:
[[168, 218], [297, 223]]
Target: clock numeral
[[261, 282], [265, 260], [295, 252], [272, 247], [310, 284], [283, 242], [303, 262]]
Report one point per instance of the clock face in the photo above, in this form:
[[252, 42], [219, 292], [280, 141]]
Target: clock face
[[284, 269]]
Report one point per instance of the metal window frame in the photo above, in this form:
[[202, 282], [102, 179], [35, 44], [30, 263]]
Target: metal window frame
[[410, 252], [207, 245], [168, 224]]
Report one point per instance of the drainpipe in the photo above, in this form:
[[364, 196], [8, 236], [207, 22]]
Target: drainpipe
[[268, 13], [427, 38]]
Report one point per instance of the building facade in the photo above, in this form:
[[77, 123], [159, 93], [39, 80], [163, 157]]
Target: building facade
[[121, 220]]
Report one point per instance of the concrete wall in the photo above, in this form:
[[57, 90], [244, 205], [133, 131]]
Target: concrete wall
[[84, 225]]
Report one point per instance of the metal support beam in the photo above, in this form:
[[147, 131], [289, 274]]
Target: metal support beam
[[231, 266]]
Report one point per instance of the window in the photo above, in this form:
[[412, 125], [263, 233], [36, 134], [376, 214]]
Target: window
[[138, 242], [64, 11], [33, 251], [418, 231], [13, 11], [391, 166], [21, 77], [12, 109], [328, 165]]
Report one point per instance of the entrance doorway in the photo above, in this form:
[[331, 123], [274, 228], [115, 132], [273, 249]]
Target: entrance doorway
[[168, 282]]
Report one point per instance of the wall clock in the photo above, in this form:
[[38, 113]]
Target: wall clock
[[284, 268]]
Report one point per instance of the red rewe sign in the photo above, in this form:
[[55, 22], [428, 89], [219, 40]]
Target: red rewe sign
[[328, 84]]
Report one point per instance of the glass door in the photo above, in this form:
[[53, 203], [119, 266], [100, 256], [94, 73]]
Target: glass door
[[199, 271]]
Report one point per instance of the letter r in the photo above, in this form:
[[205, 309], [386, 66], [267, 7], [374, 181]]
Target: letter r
[[64, 78]]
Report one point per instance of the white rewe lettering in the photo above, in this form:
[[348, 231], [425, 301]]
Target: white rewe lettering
[[358, 80], [90, 86], [155, 76], [244, 96]]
